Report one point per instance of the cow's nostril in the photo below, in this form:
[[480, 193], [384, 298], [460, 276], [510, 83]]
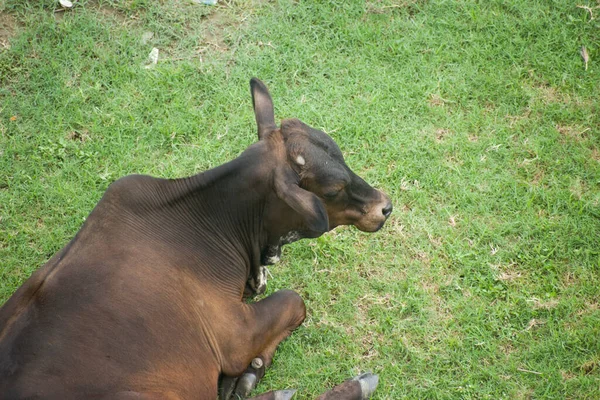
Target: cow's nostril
[[387, 210]]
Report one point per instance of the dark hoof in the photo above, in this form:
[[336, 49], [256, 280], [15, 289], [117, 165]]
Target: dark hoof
[[245, 384], [368, 384], [238, 387], [227, 384], [241, 386]]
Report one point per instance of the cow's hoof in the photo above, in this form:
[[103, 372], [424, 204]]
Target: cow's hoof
[[240, 387], [227, 387], [245, 384], [368, 384]]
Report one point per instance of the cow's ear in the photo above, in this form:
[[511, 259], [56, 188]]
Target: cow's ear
[[263, 108], [305, 203]]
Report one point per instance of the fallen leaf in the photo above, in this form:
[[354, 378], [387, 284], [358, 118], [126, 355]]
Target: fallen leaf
[[152, 58], [584, 55], [13, 118]]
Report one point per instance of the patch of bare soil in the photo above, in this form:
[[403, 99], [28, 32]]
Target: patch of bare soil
[[215, 29], [8, 28], [113, 13], [226, 17]]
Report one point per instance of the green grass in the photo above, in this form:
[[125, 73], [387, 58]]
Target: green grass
[[477, 117]]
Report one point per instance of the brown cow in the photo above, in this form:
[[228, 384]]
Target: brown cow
[[146, 302]]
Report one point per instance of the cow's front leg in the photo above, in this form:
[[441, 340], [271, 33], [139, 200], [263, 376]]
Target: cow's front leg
[[257, 281], [267, 323]]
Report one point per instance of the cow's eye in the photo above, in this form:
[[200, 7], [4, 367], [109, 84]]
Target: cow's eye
[[331, 194]]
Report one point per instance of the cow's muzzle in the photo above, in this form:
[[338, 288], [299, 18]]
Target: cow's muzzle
[[378, 213]]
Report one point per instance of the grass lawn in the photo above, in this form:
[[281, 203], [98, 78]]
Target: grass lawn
[[478, 118]]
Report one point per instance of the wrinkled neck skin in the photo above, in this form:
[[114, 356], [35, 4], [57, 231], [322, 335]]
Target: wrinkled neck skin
[[229, 215]]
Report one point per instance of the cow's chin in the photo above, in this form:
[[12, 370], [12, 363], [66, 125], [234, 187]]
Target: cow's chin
[[364, 225], [370, 224]]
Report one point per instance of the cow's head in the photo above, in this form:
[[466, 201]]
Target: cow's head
[[312, 178]]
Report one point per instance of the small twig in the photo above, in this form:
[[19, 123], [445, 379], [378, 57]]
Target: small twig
[[260, 43], [529, 160], [528, 371], [590, 10]]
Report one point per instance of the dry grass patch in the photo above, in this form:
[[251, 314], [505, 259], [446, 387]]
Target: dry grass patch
[[82, 135], [386, 6], [578, 188], [574, 132], [515, 119], [538, 177], [507, 273], [591, 366], [589, 308], [509, 276], [435, 100], [441, 134], [549, 94], [538, 304]]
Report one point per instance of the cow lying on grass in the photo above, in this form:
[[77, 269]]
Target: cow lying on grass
[[146, 302]]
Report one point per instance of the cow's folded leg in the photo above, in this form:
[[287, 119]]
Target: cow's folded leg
[[277, 316], [267, 323]]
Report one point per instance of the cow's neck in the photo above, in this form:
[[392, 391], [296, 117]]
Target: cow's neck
[[222, 211]]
